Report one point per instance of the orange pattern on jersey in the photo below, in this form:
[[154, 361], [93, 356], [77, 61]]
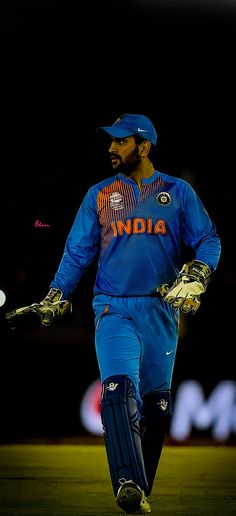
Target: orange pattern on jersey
[[103, 200], [150, 188], [115, 203], [107, 214]]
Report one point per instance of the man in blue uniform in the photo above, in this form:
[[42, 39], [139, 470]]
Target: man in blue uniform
[[136, 220]]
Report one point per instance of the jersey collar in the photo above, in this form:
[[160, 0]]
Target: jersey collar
[[144, 180]]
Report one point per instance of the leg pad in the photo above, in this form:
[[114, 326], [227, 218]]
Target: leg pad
[[155, 420], [120, 419]]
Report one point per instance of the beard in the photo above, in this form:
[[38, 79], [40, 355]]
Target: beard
[[128, 166]]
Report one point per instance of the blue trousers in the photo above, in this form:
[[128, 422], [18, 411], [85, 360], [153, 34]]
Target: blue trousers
[[136, 337]]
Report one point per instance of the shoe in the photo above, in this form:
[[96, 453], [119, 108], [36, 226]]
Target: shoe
[[132, 499]]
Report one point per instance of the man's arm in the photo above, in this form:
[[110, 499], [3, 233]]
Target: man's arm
[[199, 233], [81, 247], [198, 230]]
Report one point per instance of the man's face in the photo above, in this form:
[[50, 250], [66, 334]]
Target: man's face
[[124, 154]]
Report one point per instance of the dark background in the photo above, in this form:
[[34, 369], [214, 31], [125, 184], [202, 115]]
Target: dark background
[[67, 68]]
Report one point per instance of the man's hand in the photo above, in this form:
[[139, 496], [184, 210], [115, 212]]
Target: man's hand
[[44, 312], [185, 292]]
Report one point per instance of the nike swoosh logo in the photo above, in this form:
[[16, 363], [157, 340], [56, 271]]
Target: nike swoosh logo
[[142, 130], [169, 352]]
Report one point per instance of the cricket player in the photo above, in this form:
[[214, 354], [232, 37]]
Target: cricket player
[[136, 221]]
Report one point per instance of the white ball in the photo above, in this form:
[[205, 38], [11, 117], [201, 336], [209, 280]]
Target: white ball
[[2, 298]]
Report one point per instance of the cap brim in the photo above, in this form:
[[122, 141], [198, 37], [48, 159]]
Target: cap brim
[[117, 132]]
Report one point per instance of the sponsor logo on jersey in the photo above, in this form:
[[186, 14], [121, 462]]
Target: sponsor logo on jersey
[[137, 226], [163, 198], [116, 201]]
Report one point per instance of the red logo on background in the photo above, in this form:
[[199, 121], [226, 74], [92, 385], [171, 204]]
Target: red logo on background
[[39, 224]]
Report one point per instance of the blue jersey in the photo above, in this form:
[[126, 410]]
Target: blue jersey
[[137, 234]]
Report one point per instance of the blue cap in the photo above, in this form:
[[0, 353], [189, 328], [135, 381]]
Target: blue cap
[[128, 125]]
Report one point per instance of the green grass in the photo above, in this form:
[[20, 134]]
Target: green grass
[[65, 479]]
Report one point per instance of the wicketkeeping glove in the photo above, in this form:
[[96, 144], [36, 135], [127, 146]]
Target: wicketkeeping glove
[[44, 312], [184, 293]]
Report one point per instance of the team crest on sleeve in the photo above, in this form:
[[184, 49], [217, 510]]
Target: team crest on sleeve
[[116, 201], [163, 198]]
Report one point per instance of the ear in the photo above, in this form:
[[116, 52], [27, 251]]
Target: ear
[[145, 147]]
